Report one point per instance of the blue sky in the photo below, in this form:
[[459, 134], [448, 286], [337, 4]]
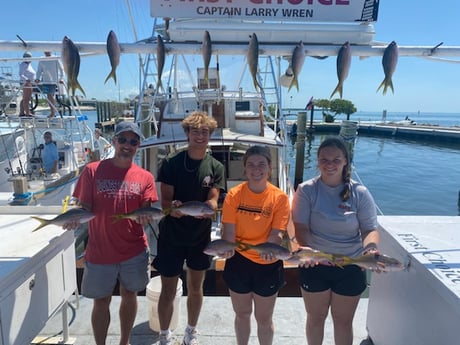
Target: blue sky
[[420, 85]]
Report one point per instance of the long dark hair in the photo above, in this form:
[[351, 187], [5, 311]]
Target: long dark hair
[[337, 142]]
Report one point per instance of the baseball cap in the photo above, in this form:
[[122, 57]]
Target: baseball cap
[[126, 126], [27, 54]]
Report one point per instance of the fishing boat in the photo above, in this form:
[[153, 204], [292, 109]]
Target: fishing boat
[[247, 116], [23, 180]]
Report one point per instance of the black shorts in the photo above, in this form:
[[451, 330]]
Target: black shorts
[[170, 259], [243, 276], [347, 281]]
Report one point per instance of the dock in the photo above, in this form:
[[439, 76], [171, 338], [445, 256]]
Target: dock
[[429, 133]]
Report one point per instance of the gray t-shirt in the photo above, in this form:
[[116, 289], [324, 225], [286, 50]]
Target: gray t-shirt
[[335, 226]]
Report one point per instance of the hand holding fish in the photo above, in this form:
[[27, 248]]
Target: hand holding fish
[[195, 209], [308, 257]]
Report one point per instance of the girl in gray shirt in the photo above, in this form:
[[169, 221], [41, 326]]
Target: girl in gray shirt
[[333, 214]]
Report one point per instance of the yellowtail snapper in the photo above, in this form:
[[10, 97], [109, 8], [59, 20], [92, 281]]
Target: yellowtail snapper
[[154, 212], [373, 262], [193, 208], [219, 247], [75, 214], [274, 249], [304, 255]]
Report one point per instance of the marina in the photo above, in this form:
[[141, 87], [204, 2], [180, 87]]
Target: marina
[[40, 272]]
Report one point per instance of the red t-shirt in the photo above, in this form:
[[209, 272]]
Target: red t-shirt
[[112, 190]]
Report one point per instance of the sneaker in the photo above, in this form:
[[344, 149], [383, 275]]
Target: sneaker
[[166, 339], [190, 338]]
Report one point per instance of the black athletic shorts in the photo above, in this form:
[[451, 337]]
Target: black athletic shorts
[[347, 281], [243, 276], [170, 259]]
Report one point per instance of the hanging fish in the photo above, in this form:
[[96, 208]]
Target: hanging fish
[[71, 64], [389, 61], [161, 55], [297, 60], [253, 60], [113, 51], [206, 51], [343, 67]]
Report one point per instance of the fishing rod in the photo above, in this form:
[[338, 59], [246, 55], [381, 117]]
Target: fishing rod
[[8, 156], [18, 154]]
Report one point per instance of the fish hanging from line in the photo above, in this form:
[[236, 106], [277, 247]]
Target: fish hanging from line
[[343, 67], [389, 62], [206, 51], [113, 51], [161, 56], [75, 214], [71, 63], [253, 60], [297, 60]]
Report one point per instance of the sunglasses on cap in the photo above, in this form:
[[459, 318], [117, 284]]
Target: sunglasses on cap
[[132, 142]]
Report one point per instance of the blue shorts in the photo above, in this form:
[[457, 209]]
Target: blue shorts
[[243, 276], [347, 281], [99, 280], [169, 261], [47, 88]]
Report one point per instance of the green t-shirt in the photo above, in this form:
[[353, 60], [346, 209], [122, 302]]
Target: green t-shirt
[[192, 180]]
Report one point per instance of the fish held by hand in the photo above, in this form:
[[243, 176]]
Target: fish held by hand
[[78, 214], [375, 262], [153, 212], [268, 248], [220, 247], [193, 208], [305, 255]]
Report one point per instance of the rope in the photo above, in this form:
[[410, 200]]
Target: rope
[[358, 178]]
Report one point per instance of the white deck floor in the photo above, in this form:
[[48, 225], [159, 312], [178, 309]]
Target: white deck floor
[[215, 324]]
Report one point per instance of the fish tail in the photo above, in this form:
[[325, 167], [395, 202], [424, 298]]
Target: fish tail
[[382, 84], [112, 75], [43, 222], [295, 83], [159, 84], [116, 218], [338, 89], [206, 75], [167, 211], [243, 246], [78, 86]]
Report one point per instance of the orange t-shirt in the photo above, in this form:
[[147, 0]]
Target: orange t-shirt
[[255, 215]]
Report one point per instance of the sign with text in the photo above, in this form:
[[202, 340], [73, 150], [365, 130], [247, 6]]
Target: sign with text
[[274, 10]]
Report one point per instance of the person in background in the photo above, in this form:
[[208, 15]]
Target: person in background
[[254, 212], [26, 78], [189, 175], [49, 74], [116, 251], [101, 144], [50, 154], [334, 214]]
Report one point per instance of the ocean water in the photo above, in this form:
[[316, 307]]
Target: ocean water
[[421, 118], [405, 177]]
